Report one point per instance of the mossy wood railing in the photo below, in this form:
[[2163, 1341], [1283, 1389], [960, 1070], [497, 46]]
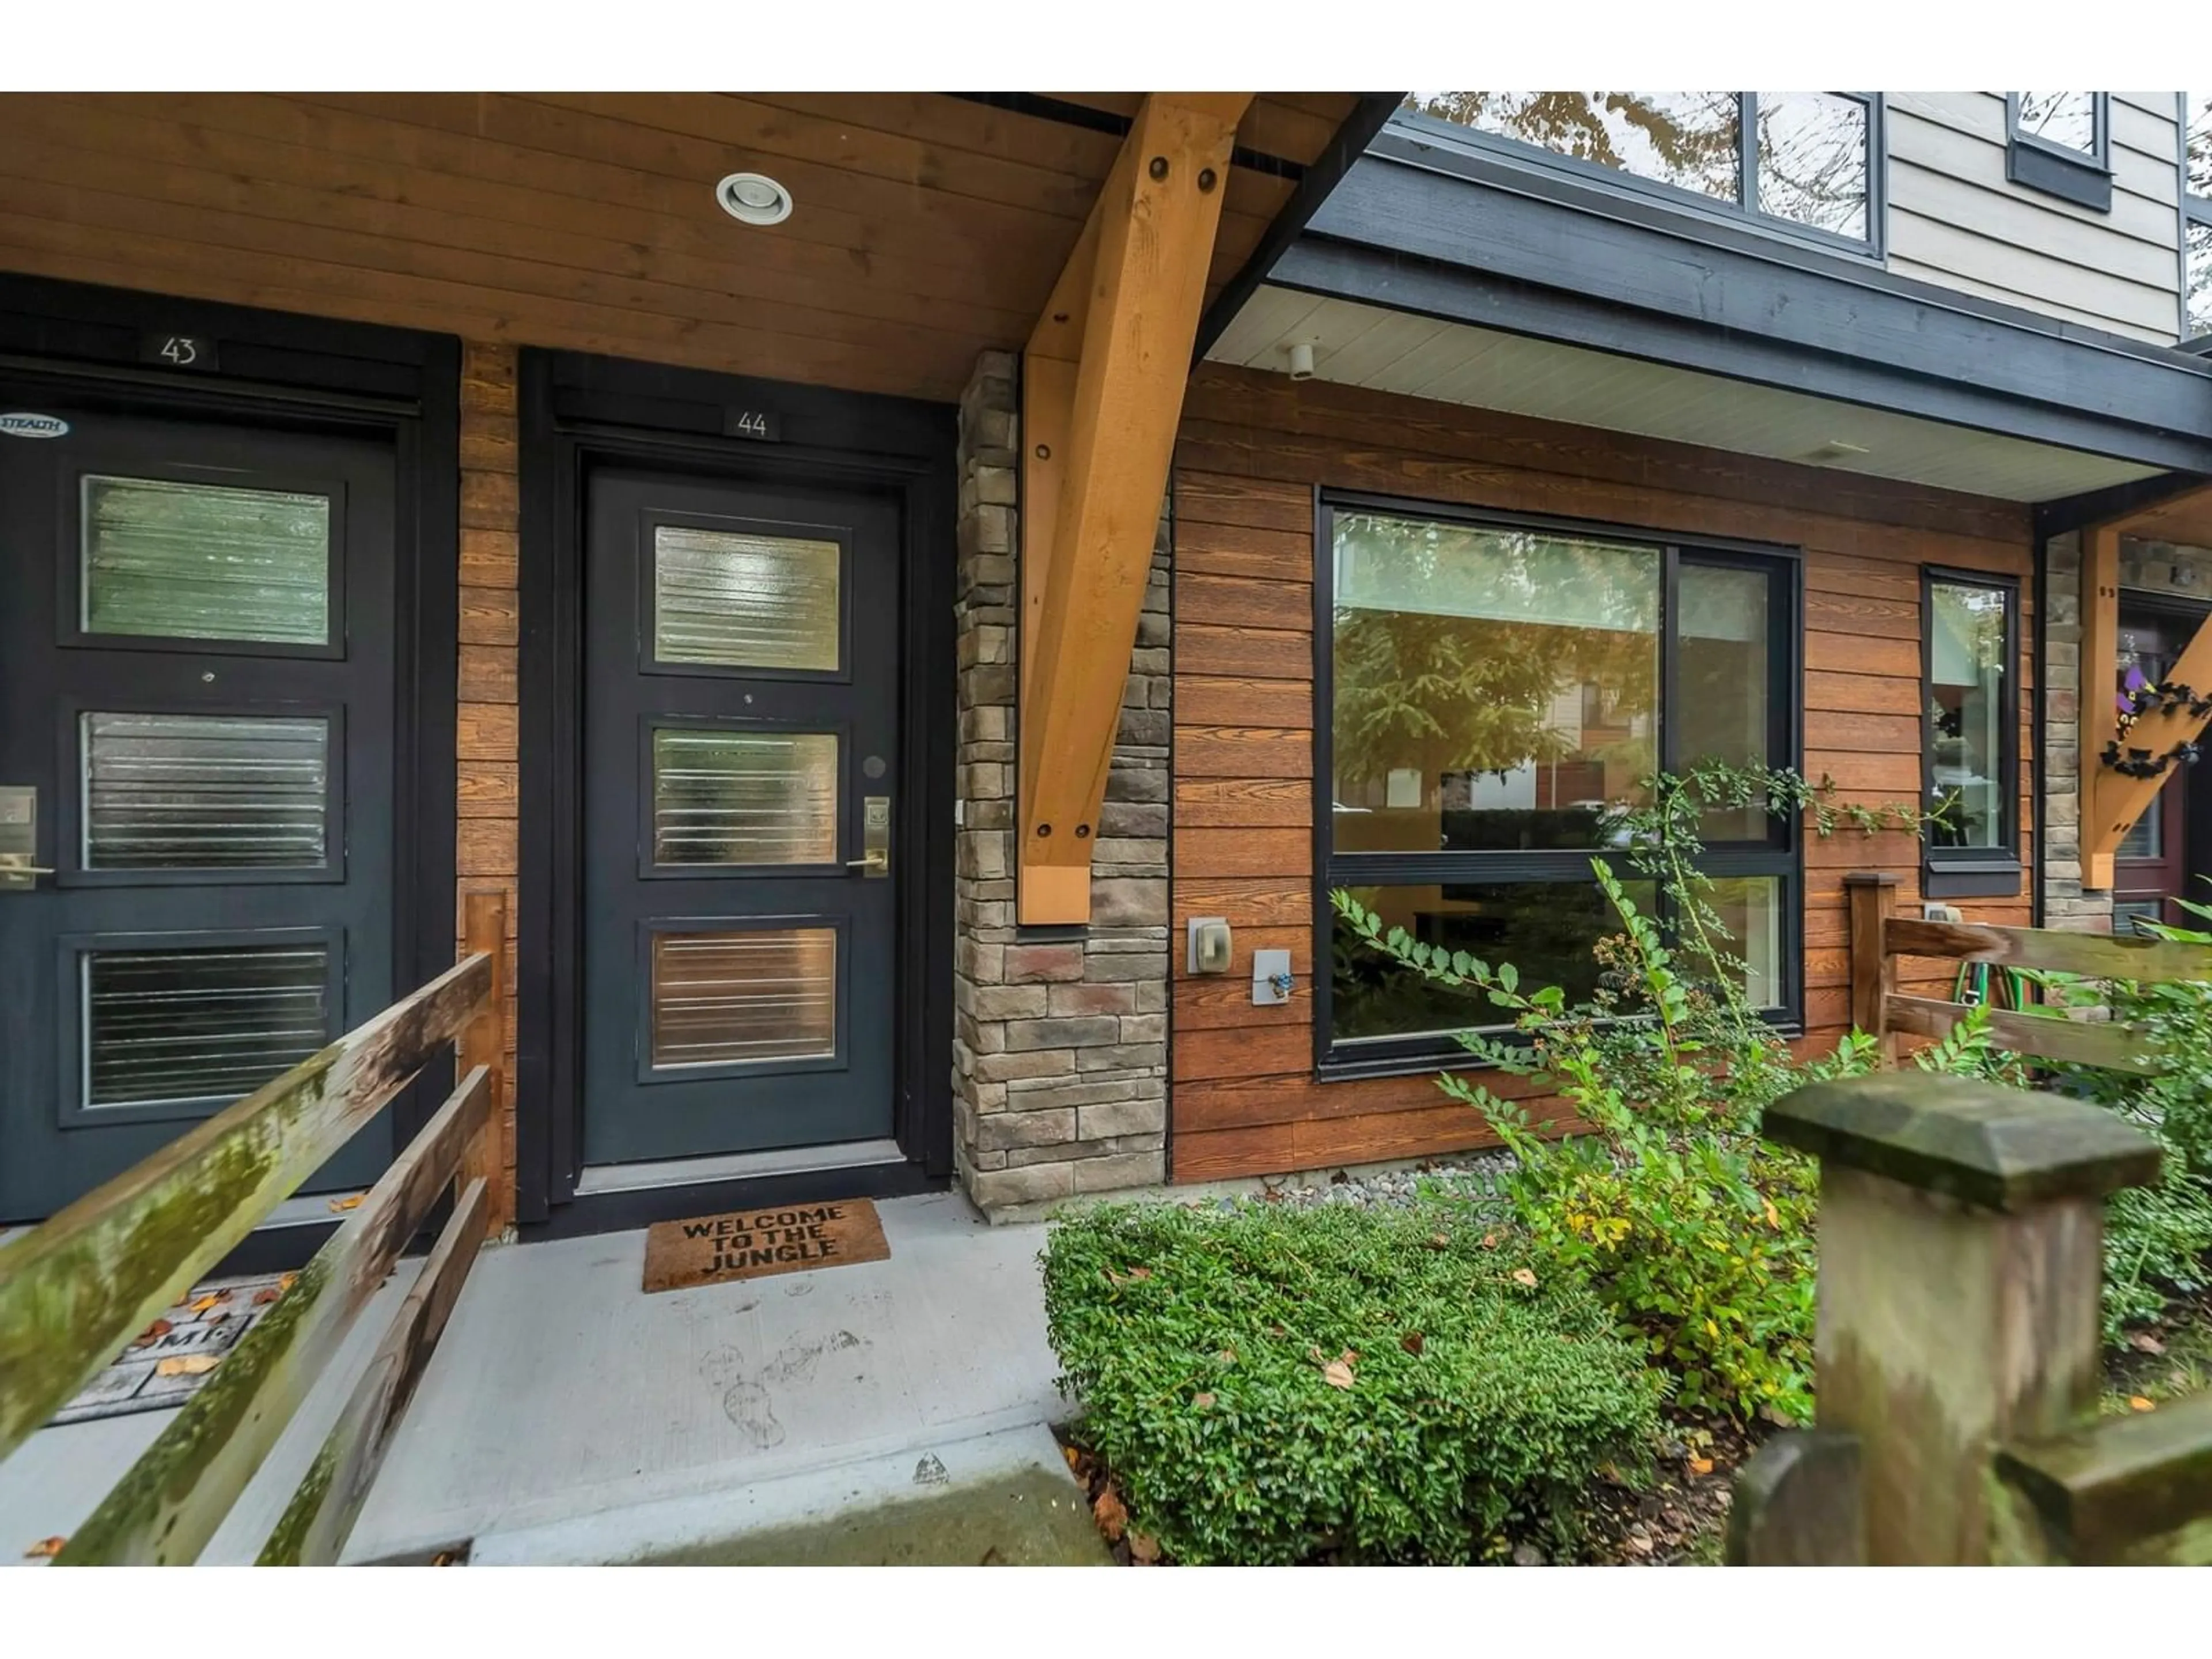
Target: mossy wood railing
[[77, 1288], [1878, 937], [1958, 1346]]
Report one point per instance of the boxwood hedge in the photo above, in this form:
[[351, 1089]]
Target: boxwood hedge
[[1269, 1384]]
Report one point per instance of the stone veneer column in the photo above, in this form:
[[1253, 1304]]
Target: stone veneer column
[[2153, 567], [1060, 1049]]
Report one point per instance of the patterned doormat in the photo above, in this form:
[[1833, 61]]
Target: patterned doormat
[[169, 1360]]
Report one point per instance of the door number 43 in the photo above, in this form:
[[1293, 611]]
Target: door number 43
[[178, 350]]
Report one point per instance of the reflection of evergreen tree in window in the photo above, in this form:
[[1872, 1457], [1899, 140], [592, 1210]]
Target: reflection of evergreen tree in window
[[1456, 693]]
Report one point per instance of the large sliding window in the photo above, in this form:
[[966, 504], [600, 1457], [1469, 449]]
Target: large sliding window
[[1806, 162], [1496, 694]]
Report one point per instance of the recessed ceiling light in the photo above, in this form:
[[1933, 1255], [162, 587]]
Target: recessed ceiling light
[[753, 198]]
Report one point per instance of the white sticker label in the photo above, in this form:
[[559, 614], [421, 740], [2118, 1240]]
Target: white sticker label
[[22, 425]]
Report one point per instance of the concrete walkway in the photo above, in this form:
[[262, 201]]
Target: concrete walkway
[[565, 1405]]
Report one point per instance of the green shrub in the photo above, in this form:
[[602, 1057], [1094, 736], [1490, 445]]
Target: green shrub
[[1696, 1233], [1267, 1382]]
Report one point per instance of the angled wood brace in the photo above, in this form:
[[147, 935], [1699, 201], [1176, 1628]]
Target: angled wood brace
[[1102, 392], [2111, 802]]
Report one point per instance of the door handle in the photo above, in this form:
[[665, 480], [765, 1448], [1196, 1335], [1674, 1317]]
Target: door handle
[[875, 839], [18, 874]]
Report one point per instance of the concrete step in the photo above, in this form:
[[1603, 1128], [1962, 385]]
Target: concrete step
[[1006, 1499]]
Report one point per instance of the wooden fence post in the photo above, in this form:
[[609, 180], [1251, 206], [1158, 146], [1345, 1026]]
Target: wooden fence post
[[1873, 894], [484, 1043], [1961, 1259]]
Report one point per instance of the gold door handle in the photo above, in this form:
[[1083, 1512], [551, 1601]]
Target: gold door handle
[[876, 864]]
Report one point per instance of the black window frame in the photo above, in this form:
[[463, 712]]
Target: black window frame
[[1781, 856], [2041, 164], [1745, 213], [1973, 872]]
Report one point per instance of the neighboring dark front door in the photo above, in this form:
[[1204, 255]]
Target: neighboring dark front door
[[2152, 866], [740, 772], [196, 707]]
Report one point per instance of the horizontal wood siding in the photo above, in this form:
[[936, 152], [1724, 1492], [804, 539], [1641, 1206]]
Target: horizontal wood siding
[[1955, 219], [1245, 1099]]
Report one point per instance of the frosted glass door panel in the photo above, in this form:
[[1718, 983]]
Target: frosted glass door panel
[[209, 562], [729, 599], [205, 792]]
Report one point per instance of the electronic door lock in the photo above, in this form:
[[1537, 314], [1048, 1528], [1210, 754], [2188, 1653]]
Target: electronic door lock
[[875, 862]]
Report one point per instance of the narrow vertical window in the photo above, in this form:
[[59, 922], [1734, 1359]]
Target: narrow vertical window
[[1969, 742], [2196, 217]]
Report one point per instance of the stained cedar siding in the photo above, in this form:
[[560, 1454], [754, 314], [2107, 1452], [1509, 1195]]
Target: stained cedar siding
[[927, 228], [1252, 448], [488, 796]]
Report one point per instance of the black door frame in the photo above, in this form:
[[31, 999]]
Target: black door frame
[[101, 348], [577, 411]]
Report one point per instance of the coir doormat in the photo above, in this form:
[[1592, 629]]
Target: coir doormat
[[754, 1244], [168, 1362]]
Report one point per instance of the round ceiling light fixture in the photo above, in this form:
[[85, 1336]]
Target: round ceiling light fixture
[[753, 198]]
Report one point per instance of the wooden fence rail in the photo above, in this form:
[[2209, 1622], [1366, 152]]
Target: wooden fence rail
[[79, 1286], [1956, 1354], [1878, 938]]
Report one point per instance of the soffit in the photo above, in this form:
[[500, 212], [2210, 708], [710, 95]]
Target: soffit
[[926, 227], [1384, 350]]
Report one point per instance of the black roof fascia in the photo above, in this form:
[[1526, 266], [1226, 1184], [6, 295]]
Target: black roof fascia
[[1416, 227], [1321, 177]]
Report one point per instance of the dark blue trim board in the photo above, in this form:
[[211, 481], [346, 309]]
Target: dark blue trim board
[[1459, 239]]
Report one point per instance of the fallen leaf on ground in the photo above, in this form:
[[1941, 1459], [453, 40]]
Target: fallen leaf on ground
[[1075, 1458], [285, 1282], [44, 1550], [1773, 1216], [1523, 1276], [1700, 1465], [443, 1559], [1203, 1401], [159, 1327], [1412, 1342], [265, 1295], [204, 1304], [1338, 1372], [1490, 1241], [2137, 1402], [189, 1364], [1144, 1550], [353, 1203], [1140, 1272], [1439, 1241], [1111, 1517], [2144, 1342]]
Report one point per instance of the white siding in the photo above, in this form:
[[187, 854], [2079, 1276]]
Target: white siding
[[1955, 220]]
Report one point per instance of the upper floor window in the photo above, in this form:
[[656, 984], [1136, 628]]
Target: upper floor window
[[2061, 143], [1802, 158], [2196, 219], [2069, 120]]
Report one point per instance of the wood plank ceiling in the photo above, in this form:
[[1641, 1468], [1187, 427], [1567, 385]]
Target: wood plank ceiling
[[926, 227]]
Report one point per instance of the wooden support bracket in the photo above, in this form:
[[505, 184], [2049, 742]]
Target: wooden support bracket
[[2112, 803], [1102, 384]]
